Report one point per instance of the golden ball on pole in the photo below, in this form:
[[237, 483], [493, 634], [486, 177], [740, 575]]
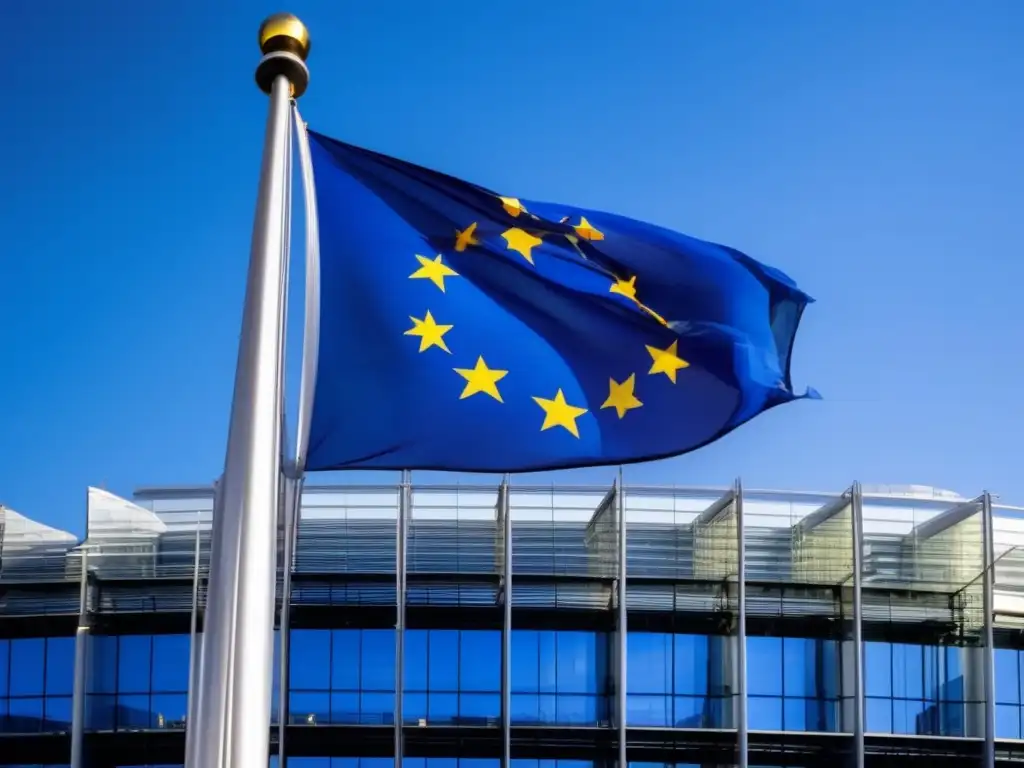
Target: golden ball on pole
[[284, 43]]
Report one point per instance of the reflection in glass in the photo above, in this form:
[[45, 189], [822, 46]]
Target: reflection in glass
[[914, 689], [137, 682], [36, 678]]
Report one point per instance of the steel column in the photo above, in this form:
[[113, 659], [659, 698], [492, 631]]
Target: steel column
[[404, 509], [78, 698], [988, 600], [742, 733], [857, 521], [505, 517], [622, 623], [292, 512], [194, 640]]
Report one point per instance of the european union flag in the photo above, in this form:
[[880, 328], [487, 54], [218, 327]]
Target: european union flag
[[465, 330]]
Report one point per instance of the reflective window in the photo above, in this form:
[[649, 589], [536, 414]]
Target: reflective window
[[1008, 693], [914, 689], [559, 677], [36, 678], [677, 680], [793, 684], [342, 676], [453, 676], [138, 681]]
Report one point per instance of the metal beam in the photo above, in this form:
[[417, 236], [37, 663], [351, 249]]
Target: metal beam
[[857, 521], [622, 623], [505, 519], [401, 533], [742, 733], [988, 593], [194, 640], [292, 512], [78, 698]]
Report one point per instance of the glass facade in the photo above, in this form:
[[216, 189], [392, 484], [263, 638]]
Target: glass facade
[[923, 656], [36, 681], [138, 681], [915, 689]]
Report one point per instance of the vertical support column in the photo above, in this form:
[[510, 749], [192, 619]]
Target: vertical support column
[[857, 521], [78, 711], [742, 733], [988, 600], [194, 639], [505, 516], [292, 511], [404, 510], [622, 623]]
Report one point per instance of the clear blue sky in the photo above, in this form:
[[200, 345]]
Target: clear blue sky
[[873, 150]]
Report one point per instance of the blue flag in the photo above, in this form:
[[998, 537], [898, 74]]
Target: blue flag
[[465, 330]]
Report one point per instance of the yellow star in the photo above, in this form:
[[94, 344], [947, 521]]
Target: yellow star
[[627, 288], [433, 270], [666, 360], [558, 413], [512, 206], [622, 287], [480, 378], [621, 397], [587, 231], [431, 334], [465, 238], [521, 242]]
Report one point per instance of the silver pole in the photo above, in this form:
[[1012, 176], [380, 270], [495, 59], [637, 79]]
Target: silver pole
[[988, 594], [404, 504], [505, 515], [623, 624], [81, 669], [193, 643], [292, 511], [742, 732], [857, 515], [236, 676]]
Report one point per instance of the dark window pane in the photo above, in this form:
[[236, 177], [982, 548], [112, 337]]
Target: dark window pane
[[60, 666], [310, 708], [377, 662], [345, 708], [310, 660], [648, 710], [103, 653], [134, 656], [377, 708], [442, 707], [525, 661], [764, 670], [133, 712], [480, 660], [5, 646], [443, 670], [480, 705], [170, 663], [695, 659], [170, 709], [878, 669], [416, 641], [27, 660], [57, 713], [1007, 678], [764, 713], [101, 713], [649, 659], [345, 659]]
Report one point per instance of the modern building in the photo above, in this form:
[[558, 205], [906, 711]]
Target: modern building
[[872, 627]]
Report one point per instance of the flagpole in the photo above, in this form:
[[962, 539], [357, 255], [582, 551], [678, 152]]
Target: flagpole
[[233, 723]]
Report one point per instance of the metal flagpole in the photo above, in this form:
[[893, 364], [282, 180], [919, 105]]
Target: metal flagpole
[[236, 676]]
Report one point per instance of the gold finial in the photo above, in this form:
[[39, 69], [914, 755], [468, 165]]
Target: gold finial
[[283, 31], [284, 42]]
